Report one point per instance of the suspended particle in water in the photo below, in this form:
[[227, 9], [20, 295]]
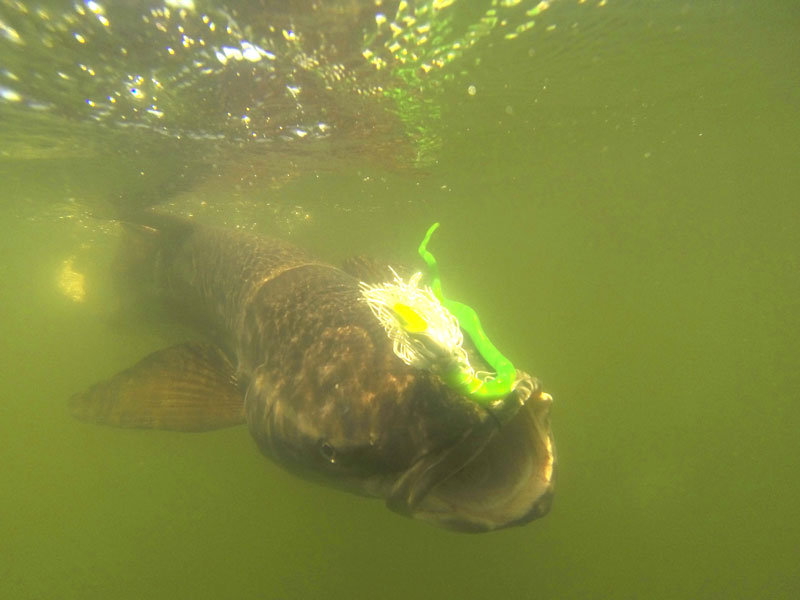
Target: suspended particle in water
[[9, 95], [472, 90]]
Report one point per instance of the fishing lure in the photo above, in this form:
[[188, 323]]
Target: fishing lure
[[426, 332]]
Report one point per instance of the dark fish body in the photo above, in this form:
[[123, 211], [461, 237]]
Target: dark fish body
[[298, 355]]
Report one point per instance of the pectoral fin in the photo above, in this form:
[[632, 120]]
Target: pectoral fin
[[190, 387]]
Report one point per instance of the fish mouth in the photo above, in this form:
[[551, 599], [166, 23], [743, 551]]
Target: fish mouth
[[495, 476]]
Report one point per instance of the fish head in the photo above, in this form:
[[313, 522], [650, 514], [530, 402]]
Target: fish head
[[355, 417]]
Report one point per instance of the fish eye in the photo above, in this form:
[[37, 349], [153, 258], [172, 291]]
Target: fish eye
[[328, 452]]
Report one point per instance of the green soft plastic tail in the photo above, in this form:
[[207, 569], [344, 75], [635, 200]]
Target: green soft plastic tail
[[481, 391]]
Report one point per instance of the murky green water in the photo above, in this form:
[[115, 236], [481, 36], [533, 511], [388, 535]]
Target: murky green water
[[618, 190]]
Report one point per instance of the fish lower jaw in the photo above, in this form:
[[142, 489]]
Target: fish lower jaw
[[508, 482]]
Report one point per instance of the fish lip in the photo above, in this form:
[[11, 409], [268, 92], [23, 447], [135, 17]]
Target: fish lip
[[437, 487]]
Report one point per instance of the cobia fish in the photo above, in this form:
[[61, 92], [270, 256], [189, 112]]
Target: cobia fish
[[300, 355]]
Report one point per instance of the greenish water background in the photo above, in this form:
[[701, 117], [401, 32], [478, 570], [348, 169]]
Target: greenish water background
[[620, 204]]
